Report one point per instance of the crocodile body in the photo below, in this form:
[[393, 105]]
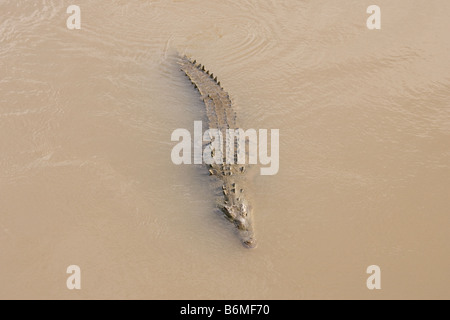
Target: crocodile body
[[221, 116]]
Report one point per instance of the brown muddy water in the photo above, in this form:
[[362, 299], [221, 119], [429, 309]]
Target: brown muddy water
[[86, 176]]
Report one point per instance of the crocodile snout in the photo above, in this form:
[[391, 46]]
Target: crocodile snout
[[250, 243]]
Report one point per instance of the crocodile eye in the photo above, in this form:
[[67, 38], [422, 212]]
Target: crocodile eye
[[229, 212]]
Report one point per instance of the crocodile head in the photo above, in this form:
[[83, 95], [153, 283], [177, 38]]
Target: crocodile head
[[240, 215]]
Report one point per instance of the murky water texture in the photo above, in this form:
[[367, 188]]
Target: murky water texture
[[86, 176]]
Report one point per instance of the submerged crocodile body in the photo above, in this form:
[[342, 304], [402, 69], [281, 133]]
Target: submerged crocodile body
[[222, 117]]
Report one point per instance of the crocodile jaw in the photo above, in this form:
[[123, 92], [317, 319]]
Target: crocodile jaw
[[248, 238]]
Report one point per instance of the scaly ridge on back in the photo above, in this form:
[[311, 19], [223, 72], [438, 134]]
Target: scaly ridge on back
[[208, 85]]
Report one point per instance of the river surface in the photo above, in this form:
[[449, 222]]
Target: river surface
[[86, 177]]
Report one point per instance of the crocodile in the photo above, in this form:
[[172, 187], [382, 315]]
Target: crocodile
[[221, 116]]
